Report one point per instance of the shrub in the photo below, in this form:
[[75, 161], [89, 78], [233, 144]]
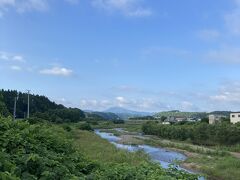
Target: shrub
[[39, 152], [85, 126]]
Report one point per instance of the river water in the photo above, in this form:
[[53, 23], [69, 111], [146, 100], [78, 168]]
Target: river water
[[161, 155], [157, 154]]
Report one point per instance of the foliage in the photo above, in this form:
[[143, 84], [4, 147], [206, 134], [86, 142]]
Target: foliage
[[62, 115], [120, 164], [118, 121], [217, 167], [181, 114], [40, 107], [145, 171], [3, 108], [102, 116], [85, 126], [198, 133], [45, 151], [142, 118], [37, 103], [39, 152]]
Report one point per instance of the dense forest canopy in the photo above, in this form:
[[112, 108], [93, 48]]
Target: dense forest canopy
[[40, 106], [3, 108]]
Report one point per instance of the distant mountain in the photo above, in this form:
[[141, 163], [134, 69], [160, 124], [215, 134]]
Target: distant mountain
[[101, 115], [126, 113]]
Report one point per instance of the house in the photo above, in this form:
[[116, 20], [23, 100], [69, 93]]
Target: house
[[180, 118], [166, 123], [235, 117], [192, 119], [174, 119], [214, 118]]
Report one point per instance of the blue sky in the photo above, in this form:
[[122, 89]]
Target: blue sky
[[146, 55]]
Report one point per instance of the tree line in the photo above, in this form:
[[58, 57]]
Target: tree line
[[40, 107], [197, 133]]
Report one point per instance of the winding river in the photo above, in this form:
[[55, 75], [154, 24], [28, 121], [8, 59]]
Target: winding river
[[157, 154], [161, 155]]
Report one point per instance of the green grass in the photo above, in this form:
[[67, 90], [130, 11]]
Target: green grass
[[218, 168], [101, 150]]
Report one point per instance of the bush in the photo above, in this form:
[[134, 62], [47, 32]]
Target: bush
[[118, 121], [197, 133], [85, 126], [67, 127], [39, 152]]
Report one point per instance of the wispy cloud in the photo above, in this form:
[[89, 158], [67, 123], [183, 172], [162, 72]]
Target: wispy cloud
[[22, 6], [225, 55], [74, 2], [16, 68], [232, 19], [139, 104], [227, 97], [209, 34], [131, 8], [158, 50], [57, 71], [6, 56]]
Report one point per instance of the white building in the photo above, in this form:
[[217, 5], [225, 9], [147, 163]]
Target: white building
[[235, 117], [213, 118]]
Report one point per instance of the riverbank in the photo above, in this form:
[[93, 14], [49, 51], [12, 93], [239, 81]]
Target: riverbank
[[216, 164], [107, 154]]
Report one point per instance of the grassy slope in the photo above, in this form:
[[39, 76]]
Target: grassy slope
[[217, 167], [101, 150]]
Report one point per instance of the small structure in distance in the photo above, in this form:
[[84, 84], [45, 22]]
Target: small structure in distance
[[235, 117]]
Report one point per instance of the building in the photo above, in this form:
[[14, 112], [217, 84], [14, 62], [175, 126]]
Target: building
[[235, 117], [214, 118], [174, 119], [166, 123]]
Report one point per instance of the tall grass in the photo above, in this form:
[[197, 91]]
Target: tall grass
[[101, 150], [218, 168]]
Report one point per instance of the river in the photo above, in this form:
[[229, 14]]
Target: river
[[163, 156]]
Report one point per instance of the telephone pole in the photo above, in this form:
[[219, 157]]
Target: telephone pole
[[28, 108], [15, 107]]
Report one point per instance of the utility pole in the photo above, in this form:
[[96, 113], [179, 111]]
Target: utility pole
[[15, 107], [28, 108]]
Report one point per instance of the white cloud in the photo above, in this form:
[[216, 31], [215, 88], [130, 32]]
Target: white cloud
[[22, 6], [16, 68], [229, 92], [57, 71], [142, 104], [131, 8], [225, 55], [18, 58], [185, 105], [227, 97], [6, 56]]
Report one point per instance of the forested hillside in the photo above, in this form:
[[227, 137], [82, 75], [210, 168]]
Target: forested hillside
[[3, 108], [40, 106], [182, 114], [102, 115]]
